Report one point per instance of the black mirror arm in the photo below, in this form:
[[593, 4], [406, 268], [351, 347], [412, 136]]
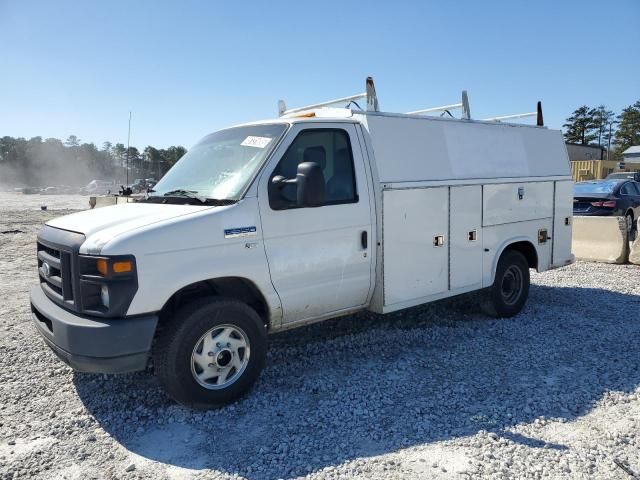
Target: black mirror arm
[[280, 181]]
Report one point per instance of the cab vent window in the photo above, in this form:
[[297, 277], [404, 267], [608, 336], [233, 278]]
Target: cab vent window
[[331, 150]]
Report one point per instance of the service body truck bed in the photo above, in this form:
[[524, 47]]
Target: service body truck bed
[[479, 186]]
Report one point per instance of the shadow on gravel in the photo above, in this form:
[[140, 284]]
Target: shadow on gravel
[[367, 385]]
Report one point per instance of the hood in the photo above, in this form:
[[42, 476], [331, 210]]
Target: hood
[[102, 224]]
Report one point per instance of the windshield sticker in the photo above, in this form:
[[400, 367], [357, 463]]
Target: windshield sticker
[[258, 142]]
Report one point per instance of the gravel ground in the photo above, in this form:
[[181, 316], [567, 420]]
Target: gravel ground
[[432, 392]]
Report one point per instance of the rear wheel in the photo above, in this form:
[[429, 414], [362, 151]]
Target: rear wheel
[[508, 294], [211, 354]]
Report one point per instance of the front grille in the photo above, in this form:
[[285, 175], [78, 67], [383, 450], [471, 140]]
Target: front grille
[[57, 266], [54, 267]]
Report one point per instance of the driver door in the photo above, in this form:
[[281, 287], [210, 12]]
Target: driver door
[[319, 257]]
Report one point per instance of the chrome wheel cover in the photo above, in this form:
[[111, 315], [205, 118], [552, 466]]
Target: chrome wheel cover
[[220, 357]]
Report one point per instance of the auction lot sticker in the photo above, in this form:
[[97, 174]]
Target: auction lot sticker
[[258, 142]]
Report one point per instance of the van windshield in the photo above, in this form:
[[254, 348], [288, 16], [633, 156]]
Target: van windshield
[[222, 164]]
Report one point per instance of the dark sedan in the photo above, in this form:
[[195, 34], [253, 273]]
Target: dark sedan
[[617, 197], [625, 175]]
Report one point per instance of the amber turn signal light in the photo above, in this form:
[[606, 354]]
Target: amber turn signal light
[[123, 267]]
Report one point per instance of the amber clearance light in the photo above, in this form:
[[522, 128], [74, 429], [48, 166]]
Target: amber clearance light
[[123, 267]]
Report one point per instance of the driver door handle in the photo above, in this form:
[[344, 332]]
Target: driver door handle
[[364, 240]]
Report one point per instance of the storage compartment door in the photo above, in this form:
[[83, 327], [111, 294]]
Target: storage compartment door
[[517, 202], [415, 248], [563, 216], [466, 236]]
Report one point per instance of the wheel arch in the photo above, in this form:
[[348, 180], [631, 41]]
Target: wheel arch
[[522, 245], [237, 288]]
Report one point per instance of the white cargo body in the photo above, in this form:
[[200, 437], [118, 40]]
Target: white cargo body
[[318, 213], [455, 193]]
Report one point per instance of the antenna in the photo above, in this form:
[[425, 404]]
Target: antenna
[[128, 141]]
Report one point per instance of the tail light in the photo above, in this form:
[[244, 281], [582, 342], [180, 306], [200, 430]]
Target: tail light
[[605, 204]]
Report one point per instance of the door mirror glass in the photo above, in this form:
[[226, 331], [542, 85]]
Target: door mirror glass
[[310, 183]]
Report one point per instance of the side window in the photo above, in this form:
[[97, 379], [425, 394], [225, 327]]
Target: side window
[[329, 148], [627, 189]]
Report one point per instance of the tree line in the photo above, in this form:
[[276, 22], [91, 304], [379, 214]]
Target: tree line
[[38, 162], [600, 126]]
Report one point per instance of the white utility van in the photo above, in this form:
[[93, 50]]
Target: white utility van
[[275, 224]]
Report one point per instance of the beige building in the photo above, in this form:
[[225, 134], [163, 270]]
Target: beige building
[[589, 162]]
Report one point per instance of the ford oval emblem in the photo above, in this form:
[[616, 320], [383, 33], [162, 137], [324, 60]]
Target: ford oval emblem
[[46, 269]]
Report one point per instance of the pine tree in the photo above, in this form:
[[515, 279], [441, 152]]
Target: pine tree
[[72, 141], [581, 126], [628, 133], [602, 118]]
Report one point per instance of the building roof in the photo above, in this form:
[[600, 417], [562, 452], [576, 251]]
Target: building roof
[[597, 147], [632, 151]]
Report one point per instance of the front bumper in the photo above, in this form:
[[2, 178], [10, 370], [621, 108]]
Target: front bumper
[[93, 345]]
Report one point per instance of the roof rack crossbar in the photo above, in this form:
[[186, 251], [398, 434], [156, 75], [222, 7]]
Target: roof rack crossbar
[[350, 98], [464, 105], [444, 108], [511, 117], [537, 114]]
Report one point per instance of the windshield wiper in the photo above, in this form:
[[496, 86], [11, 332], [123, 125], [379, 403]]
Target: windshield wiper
[[191, 194], [185, 193]]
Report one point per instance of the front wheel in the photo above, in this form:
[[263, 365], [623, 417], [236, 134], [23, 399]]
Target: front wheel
[[508, 294], [211, 353]]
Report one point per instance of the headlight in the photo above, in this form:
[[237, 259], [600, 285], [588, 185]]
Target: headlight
[[107, 284]]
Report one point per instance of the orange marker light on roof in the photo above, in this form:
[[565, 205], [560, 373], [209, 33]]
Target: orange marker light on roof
[[123, 267]]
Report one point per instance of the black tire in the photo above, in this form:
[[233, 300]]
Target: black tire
[[175, 345], [510, 289]]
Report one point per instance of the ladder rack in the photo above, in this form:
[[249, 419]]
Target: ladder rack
[[372, 106]]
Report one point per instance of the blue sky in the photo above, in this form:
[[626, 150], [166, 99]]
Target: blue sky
[[186, 68]]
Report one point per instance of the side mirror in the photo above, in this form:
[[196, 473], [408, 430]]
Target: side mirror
[[310, 183]]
